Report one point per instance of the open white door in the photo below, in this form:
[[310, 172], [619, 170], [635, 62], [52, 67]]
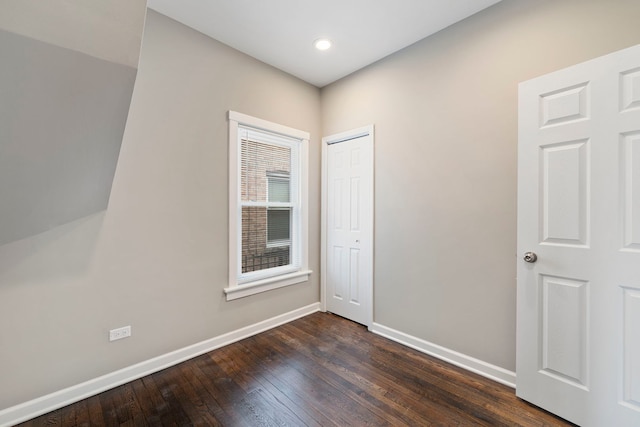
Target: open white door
[[578, 335], [347, 218]]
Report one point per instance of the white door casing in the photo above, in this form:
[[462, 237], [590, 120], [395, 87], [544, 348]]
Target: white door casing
[[578, 330], [347, 224]]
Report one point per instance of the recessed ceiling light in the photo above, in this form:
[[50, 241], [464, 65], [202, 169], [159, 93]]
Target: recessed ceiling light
[[322, 44]]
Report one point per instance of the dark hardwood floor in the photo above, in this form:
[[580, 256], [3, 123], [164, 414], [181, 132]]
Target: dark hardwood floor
[[321, 370]]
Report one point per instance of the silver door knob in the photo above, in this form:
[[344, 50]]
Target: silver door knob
[[530, 257]]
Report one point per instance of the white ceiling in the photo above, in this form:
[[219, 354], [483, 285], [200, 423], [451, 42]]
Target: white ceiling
[[281, 32]]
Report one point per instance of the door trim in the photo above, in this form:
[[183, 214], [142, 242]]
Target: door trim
[[326, 141]]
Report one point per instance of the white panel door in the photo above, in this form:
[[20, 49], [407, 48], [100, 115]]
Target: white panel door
[[348, 198], [578, 334]]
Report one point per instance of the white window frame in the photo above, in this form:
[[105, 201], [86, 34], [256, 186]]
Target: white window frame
[[242, 285]]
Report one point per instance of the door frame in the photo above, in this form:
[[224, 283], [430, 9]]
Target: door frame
[[326, 142]]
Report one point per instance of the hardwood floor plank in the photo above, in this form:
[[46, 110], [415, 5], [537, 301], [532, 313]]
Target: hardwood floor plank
[[423, 373], [174, 412], [94, 411], [379, 412], [247, 370], [149, 402], [163, 410], [211, 411], [226, 392], [44, 420], [270, 377], [109, 411], [316, 383], [200, 407], [320, 370], [383, 389], [132, 406]]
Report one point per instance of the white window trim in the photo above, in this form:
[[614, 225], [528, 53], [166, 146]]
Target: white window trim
[[235, 289]]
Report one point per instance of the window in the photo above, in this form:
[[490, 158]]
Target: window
[[267, 206]]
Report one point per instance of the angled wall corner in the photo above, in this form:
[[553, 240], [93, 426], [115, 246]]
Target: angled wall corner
[[63, 110]]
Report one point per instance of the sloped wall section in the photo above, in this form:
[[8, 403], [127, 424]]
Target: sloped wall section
[[63, 109]]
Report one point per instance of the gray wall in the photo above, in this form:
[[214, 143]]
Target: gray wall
[[445, 115], [157, 258], [66, 78], [62, 117], [107, 29]]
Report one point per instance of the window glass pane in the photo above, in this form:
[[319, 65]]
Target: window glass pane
[[269, 203], [256, 255], [278, 225], [257, 161], [278, 188]]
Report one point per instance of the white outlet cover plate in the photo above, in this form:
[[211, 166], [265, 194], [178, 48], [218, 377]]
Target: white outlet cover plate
[[119, 333]]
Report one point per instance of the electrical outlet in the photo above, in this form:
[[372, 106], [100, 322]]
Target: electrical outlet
[[119, 333]]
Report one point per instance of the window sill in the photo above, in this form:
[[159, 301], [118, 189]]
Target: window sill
[[252, 288]]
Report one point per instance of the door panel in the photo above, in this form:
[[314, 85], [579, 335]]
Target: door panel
[[578, 351], [565, 192], [354, 201], [565, 105], [631, 347], [630, 90], [354, 281], [348, 226], [630, 166], [565, 320]]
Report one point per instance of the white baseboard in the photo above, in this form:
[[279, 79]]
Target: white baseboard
[[42, 405], [469, 363]]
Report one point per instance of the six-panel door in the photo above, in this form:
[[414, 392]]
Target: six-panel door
[[349, 213], [578, 338]]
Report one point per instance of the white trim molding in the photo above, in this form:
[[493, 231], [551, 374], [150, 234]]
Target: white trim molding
[[235, 292], [50, 402], [487, 370]]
